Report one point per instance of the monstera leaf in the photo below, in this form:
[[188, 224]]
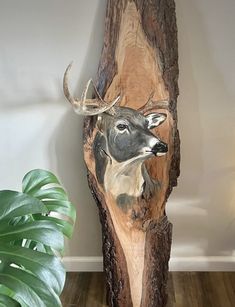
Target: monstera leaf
[[32, 225]]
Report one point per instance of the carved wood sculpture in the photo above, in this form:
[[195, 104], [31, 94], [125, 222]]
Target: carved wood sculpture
[[130, 182]]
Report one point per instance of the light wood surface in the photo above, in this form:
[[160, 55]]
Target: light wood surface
[[186, 289]]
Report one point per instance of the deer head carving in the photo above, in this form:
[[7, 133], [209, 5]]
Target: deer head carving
[[123, 142]]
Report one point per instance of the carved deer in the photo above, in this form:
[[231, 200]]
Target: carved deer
[[122, 141]]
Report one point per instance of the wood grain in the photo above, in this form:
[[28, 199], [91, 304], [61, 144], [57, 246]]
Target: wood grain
[[186, 289], [139, 61]]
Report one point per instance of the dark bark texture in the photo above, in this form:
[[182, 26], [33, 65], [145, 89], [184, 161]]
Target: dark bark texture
[[157, 252]]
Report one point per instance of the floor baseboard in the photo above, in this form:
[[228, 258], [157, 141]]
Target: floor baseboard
[[83, 264], [215, 263]]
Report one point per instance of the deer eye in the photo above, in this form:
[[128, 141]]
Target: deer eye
[[122, 127]]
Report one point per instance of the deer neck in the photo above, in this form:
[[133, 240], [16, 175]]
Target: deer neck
[[124, 178]]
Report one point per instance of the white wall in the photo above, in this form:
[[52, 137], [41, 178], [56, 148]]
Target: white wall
[[202, 208], [39, 130]]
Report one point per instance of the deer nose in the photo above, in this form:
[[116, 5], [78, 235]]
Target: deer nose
[[159, 148]]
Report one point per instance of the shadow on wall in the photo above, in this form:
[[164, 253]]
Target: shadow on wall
[[68, 161], [202, 207], [68, 145]]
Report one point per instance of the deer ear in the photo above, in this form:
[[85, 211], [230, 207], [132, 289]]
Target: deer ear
[[155, 119]]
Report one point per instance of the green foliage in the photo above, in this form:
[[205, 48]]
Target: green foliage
[[32, 225]]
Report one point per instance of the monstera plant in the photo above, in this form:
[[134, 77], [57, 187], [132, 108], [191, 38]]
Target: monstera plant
[[32, 225]]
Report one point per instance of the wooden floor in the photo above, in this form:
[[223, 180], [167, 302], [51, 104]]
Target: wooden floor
[[187, 289]]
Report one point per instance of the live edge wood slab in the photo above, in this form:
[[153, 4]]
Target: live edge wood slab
[[139, 61]]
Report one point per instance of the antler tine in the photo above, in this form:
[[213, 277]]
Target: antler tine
[[87, 106], [65, 85]]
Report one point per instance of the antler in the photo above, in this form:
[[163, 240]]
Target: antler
[[86, 106]]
